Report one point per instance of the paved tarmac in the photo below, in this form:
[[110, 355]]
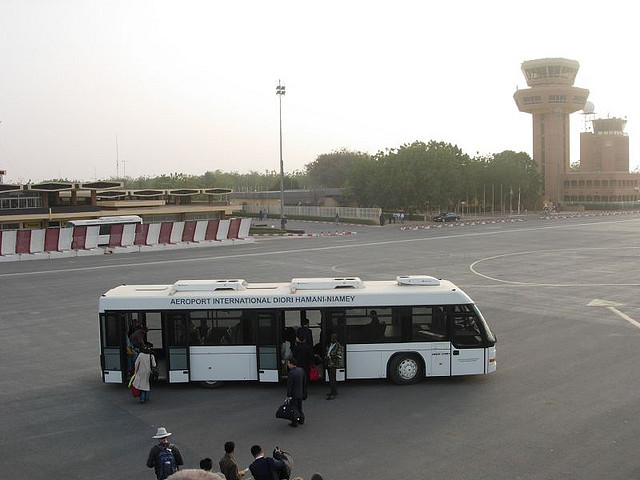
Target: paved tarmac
[[561, 296]]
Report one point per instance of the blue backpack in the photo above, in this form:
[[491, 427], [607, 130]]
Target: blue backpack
[[165, 463]]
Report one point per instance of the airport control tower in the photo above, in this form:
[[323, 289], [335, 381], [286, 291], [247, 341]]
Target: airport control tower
[[551, 98]]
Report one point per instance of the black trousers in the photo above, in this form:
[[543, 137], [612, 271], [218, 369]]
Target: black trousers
[[306, 380], [333, 383], [297, 405]]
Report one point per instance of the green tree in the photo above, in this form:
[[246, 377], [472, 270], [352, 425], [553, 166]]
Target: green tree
[[362, 183], [420, 176], [510, 173], [330, 170], [291, 181], [433, 176]]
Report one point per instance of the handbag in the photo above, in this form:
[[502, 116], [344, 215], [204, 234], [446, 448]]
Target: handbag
[[314, 373], [134, 391], [155, 373], [285, 411]]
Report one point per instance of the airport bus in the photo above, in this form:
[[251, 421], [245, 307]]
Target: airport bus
[[212, 331], [105, 224]]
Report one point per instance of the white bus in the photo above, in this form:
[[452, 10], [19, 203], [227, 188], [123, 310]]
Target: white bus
[[214, 331], [105, 224]]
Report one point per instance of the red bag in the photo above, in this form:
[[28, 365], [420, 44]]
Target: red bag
[[314, 373], [135, 392]]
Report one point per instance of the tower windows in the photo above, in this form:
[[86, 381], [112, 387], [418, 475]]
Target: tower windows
[[557, 99], [534, 100]]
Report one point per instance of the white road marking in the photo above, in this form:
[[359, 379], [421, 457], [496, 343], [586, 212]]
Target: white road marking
[[611, 306], [596, 302], [473, 269], [624, 316]]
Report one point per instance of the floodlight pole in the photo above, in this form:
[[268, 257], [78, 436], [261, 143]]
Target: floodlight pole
[[280, 91]]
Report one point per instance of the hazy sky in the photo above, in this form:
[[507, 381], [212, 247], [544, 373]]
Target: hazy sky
[[189, 86]]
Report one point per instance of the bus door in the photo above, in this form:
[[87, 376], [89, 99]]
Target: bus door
[[176, 347], [291, 320], [467, 342], [334, 321], [113, 347], [268, 341]]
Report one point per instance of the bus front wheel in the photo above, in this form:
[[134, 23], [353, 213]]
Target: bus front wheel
[[405, 369]]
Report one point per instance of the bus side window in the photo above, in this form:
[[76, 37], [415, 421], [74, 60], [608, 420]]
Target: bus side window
[[177, 330], [428, 323], [334, 322], [216, 327], [153, 321], [235, 333], [267, 334], [110, 338], [357, 322]]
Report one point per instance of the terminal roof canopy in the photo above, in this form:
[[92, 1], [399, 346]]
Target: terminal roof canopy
[[51, 186], [102, 185]]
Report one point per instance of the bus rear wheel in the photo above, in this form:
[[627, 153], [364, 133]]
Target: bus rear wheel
[[212, 383], [405, 369]]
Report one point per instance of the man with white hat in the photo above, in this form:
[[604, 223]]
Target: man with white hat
[[164, 456]]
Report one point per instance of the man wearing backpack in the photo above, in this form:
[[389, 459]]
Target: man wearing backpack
[[265, 468], [164, 456]]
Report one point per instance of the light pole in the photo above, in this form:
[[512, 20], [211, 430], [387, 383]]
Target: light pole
[[280, 91]]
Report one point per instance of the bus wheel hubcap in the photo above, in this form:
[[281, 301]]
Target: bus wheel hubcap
[[408, 368]]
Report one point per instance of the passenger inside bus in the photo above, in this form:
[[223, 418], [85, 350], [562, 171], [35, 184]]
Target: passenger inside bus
[[203, 330], [139, 338], [286, 349], [194, 336], [375, 327], [288, 340], [304, 331], [232, 335], [221, 329], [212, 338]]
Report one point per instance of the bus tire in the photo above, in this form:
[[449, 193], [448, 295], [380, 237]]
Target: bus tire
[[212, 383], [405, 369]]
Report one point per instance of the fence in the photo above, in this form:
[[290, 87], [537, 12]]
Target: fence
[[313, 211], [78, 241]]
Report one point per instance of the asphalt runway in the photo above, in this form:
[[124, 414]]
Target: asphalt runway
[[561, 296]]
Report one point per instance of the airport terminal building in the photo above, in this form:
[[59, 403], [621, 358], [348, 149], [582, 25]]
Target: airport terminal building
[[53, 204]]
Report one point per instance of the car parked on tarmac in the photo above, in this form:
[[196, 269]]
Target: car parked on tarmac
[[447, 217]]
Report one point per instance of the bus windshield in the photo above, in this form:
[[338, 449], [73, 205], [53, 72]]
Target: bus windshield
[[490, 336]]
